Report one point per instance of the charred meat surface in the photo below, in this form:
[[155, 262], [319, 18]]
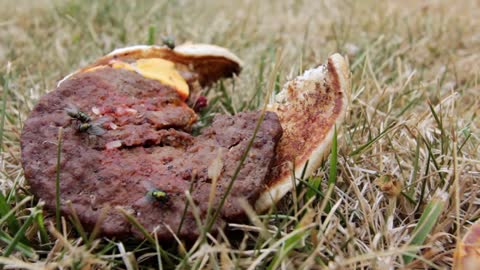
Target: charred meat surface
[[144, 159]]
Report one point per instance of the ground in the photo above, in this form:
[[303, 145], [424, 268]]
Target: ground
[[407, 178]]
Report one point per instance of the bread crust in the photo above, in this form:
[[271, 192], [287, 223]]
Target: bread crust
[[309, 108]]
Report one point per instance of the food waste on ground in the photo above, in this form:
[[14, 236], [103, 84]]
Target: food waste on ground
[[127, 141]]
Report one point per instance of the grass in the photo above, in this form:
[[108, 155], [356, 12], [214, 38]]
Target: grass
[[414, 115]]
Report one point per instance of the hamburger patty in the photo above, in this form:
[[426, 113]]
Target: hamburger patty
[[133, 150]]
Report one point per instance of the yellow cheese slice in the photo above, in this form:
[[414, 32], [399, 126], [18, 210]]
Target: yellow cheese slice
[[163, 71]]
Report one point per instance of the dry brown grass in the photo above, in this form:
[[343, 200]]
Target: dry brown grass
[[404, 55]]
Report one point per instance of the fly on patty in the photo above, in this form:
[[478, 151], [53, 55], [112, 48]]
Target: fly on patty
[[75, 113], [158, 194], [92, 128], [85, 123]]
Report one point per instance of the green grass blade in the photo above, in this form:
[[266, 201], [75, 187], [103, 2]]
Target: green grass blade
[[12, 222], [290, 243], [151, 35], [313, 187], [234, 176], [132, 220], [39, 219], [463, 143], [137, 225], [57, 180], [77, 224], [19, 235], [416, 167], [362, 148], [22, 248], [434, 161], [4, 218], [427, 222], [247, 150], [6, 81]]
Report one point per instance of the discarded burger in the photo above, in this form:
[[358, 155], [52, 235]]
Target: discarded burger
[[126, 140]]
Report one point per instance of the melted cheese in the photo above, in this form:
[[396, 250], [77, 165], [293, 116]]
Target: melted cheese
[[163, 71]]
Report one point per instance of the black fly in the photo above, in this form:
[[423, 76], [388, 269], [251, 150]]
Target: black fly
[[92, 129], [169, 41], [75, 113], [85, 123]]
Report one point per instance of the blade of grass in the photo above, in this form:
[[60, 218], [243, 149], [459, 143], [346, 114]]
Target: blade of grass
[[12, 211], [211, 222], [254, 101], [41, 227], [424, 185], [289, 244], [235, 174], [12, 222], [96, 228], [416, 167], [13, 191], [226, 99], [136, 224], [463, 143], [159, 256], [434, 161], [22, 248], [151, 35], [19, 235], [332, 175], [247, 150], [132, 220], [6, 81], [77, 224], [187, 203], [427, 222], [439, 121], [362, 148], [57, 179], [313, 187]]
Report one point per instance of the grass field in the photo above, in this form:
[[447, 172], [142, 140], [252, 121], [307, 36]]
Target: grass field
[[413, 124]]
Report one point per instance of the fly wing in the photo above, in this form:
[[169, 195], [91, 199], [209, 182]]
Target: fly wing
[[72, 110], [96, 130]]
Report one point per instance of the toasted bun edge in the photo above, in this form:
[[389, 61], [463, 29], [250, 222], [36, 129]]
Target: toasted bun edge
[[338, 69]]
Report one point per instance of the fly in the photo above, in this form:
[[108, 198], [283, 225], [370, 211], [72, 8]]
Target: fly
[[152, 195], [75, 113], [92, 128], [158, 194], [85, 123], [169, 41]]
